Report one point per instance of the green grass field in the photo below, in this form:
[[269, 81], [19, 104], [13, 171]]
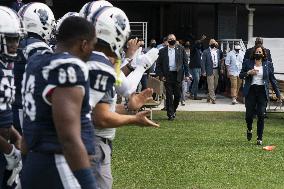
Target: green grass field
[[199, 150]]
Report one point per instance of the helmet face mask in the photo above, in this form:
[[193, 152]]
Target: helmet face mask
[[11, 29], [38, 18], [112, 27]]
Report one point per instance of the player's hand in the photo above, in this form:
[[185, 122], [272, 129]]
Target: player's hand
[[14, 178], [142, 120], [132, 46], [13, 158], [136, 101]]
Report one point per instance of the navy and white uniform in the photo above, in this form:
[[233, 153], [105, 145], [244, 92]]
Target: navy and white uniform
[[102, 76], [102, 90], [27, 47], [45, 166], [7, 93]]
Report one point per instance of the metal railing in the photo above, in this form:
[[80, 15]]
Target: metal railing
[[139, 30], [227, 44]]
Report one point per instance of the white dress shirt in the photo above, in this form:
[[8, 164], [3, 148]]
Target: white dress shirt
[[213, 52], [172, 59]]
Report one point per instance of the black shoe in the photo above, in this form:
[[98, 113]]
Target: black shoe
[[174, 115], [171, 118], [259, 142], [182, 103], [249, 135]]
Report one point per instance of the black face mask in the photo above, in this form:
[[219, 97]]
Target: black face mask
[[258, 56], [199, 45], [172, 42], [153, 45], [237, 50], [187, 46], [212, 46]]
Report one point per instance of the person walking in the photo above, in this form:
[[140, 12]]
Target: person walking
[[257, 73], [234, 61], [172, 66], [210, 66]]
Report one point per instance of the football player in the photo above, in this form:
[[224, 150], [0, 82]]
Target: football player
[[39, 22], [112, 30], [11, 29], [57, 123]]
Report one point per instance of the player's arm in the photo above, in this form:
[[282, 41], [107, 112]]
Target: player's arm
[[15, 137], [66, 111], [5, 147], [104, 118]]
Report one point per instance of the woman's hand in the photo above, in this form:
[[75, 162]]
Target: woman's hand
[[252, 72]]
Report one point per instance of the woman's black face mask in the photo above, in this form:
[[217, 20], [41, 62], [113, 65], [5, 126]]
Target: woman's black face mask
[[258, 56]]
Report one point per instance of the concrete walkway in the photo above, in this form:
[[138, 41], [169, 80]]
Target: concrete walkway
[[223, 104]]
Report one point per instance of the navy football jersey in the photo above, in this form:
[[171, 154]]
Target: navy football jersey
[[102, 77], [44, 72], [7, 93], [27, 47]]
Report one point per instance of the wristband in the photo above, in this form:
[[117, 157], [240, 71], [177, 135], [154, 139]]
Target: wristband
[[85, 178], [128, 110]]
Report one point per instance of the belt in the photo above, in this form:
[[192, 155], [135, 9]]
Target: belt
[[105, 140], [215, 68]]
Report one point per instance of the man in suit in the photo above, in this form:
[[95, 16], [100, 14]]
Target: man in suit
[[172, 67], [258, 41], [210, 67]]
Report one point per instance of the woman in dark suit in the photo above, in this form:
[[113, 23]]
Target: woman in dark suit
[[257, 73]]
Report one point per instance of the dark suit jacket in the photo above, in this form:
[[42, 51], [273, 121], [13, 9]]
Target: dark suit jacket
[[207, 64], [162, 66], [16, 6], [195, 58], [268, 75], [249, 52]]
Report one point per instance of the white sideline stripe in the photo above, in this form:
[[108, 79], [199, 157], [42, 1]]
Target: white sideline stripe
[[67, 178]]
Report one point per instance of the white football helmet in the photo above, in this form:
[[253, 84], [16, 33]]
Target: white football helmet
[[10, 26], [60, 20], [92, 7], [38, 18], [112, 27]]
